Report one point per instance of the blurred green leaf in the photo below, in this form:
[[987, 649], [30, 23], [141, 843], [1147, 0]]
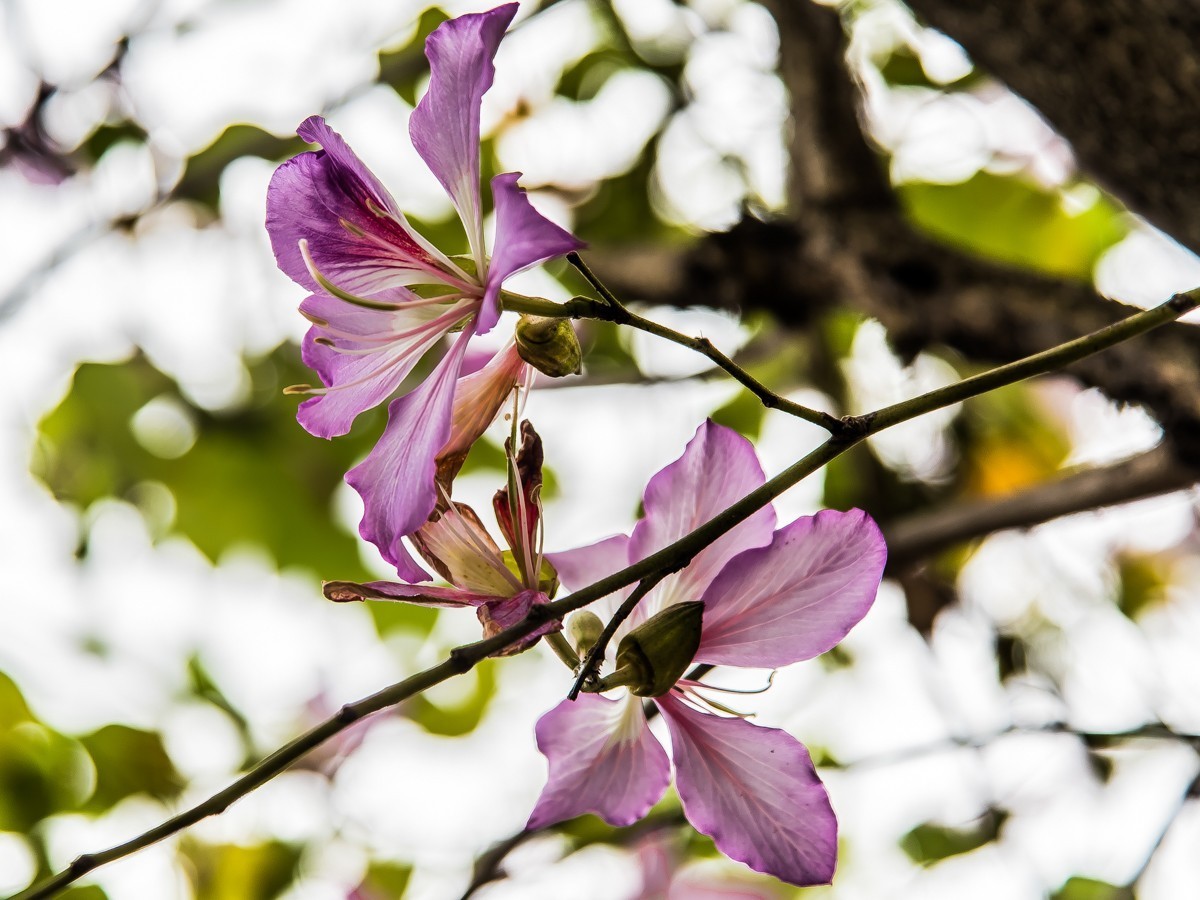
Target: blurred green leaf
[[1143, 582], [234, 872], [201, 180], [1077, 888], [931, 842], [129, 761], [453, 721], [403, 68], [744, 414], [385, 881], [253, 476], [83, 892], [41, 773], [13, 708], [1011, 220]]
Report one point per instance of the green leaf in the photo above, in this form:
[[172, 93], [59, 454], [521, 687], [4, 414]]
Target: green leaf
[[201, 179], [1077, 888], [252, 476], [13, 708], [460, 719], [129, 761], [930, 842], [41, 773], [233, 872], [1013, 221], [744, 414]]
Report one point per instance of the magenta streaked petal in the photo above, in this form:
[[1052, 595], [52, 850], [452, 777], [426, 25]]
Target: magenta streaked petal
[[445, 125], [497, 615], [524, 238], [797, 597], [603, 760], [396, 480], [363, 355], [357, 238], [755, 792], [586, 565], [423, 594], [717, 468]]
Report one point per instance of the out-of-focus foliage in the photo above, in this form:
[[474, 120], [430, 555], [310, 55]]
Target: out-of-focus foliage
[[1008, 219], [930, 842]]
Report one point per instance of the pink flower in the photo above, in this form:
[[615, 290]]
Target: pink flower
[[338, 232], [502, 587], [769, 598]]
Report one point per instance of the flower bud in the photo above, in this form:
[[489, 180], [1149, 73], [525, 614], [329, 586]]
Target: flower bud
[[549, 345], [583, 630], [660, 650]]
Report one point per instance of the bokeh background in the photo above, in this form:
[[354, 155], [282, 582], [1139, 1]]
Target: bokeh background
[[1012, 718]]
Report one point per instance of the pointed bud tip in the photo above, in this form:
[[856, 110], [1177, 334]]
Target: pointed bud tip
[[661, 648]]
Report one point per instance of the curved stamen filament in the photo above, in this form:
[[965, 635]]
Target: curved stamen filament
[[461, 530], [330, 288]]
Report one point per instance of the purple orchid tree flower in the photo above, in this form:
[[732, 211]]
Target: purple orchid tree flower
[[338, 233], [767, 598], [501, 586]]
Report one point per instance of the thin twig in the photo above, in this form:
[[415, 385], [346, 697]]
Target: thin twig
[[669, 559]]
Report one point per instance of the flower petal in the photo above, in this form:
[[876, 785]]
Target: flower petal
[[396, 480], [717, 468], [755, 792], [797, 597], [477, 400], [457, 545], [363, 355], [499, 614], [603, 760], [524, 237], [357, 237], [586, 565], [445, 125], [423, 594]]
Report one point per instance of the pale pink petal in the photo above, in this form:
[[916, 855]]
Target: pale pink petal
[[356, 236], [754, 791], [717, 468], [445, 125], [478, 400], [423, 594], [603, 760], [797, 597], [396, 480], [586, 565], [363, 355], [524, 238]]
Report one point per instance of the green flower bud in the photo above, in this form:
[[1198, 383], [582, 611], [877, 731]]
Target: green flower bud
[[657, 653], [583, 630], [549, 345]]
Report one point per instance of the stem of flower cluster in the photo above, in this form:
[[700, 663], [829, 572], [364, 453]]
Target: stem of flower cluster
[[672, 558]]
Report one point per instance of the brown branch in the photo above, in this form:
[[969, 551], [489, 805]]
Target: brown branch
[[913, 539]]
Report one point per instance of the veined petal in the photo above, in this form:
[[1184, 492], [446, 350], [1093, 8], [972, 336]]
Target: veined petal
[[457, 545], [396, 480], [499, 614], [363, 355], [754, 791], [423, 594], [357, 237], [586, 565], [717, 468], [524, 238], [603, 760], [477, 400], [797, 597], [445, 125]]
